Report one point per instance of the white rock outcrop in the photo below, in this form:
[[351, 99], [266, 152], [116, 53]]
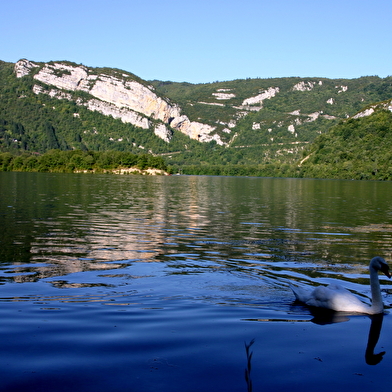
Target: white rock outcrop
[[313, 116], [387, 105], [161, 131], [54, 93], [304, 86], [208, 138], [124, 114], [118, 96], [64, 76], [258, 99], [342, 89], [223, 96], [212, 103], [365, 113], [23, 68], [194, 130]]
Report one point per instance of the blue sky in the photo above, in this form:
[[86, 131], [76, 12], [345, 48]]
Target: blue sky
[[200, 41]]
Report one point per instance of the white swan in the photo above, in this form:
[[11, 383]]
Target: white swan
[[339, 299]]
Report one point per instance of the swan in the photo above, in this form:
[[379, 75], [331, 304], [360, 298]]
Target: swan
[[337, 298]]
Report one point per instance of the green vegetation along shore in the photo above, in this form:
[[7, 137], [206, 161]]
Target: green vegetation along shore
[[81, 161]]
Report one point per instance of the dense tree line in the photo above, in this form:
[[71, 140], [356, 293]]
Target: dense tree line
[[78, 160]]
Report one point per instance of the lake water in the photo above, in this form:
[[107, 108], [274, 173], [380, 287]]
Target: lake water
[[134, 283]]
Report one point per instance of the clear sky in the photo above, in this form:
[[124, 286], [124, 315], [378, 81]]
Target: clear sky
[[201, 41]]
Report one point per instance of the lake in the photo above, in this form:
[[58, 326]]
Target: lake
[[181, 283]]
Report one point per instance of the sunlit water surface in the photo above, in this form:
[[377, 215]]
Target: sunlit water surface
[[132, 283]]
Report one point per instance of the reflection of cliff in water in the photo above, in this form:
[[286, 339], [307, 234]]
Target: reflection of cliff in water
[[70, 223], [91, 229]]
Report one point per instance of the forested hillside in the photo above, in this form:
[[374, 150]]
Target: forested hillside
[[272, 127], [31, 122], [353, 149]]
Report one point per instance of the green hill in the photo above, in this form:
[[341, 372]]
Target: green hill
[[254, 126], [353, 149]]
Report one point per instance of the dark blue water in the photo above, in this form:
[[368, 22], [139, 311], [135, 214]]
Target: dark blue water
[[131, 283]]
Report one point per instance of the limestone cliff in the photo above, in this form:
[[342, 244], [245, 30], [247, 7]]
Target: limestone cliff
[[118, 95]]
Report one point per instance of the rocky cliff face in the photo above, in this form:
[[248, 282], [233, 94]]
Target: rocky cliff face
[[118, 95]]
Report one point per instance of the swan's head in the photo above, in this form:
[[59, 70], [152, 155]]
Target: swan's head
[[379, 264]]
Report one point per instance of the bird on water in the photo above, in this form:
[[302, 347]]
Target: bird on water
[[339, 299]]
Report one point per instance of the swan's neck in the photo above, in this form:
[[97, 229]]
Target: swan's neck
[[377, 304]]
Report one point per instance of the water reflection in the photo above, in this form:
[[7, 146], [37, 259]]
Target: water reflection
[[80, 223], [374, 334], [326, 316], [248, 369]]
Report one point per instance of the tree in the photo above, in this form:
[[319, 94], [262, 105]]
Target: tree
[[52, 142]]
